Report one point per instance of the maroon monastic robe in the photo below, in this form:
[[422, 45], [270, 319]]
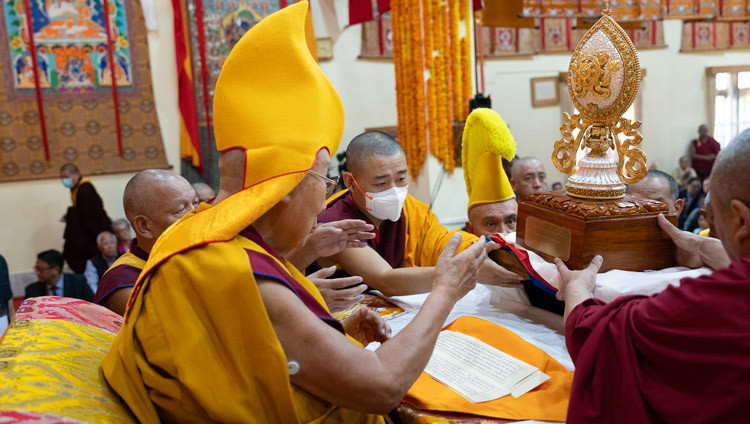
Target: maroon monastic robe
[[682, 355], [83, 222], [709, 146]]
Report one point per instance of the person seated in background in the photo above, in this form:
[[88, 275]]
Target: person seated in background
[[692, 223], [703, 228], [84, 220], [204, 191], [408, 237], [527, 175], [221, 326], [557, 186], [681, 355], [492, 204], [693, 196], [153, 200], [99, 264], [659, 186], [53, 282], [683, 173], [703, 151], [121, 228]]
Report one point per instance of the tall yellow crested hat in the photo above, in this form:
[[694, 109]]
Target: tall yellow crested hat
[[486, 140], [273, 100]]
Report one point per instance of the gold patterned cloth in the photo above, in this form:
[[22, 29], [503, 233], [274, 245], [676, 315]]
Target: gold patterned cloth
[[50, 364]]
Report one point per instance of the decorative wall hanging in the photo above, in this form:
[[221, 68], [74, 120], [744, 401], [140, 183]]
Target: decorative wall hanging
[[60, 105]]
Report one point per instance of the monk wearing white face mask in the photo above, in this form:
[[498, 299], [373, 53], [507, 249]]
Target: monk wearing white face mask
[[408, 237]]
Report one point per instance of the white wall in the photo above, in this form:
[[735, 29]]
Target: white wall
[[673, 102], [30, 211]]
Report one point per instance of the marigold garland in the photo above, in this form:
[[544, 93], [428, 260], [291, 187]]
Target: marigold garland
[[427, 36]]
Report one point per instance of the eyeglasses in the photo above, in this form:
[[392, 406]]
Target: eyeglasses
[[330, 184]]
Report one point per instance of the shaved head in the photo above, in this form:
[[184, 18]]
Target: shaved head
[[659, 186], [729, 175], [204, 191], [527, 175], [153, 200], [728, 209], [367, 145]]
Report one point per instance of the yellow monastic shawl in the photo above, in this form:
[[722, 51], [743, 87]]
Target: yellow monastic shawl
[[188, 353], [197, 344]]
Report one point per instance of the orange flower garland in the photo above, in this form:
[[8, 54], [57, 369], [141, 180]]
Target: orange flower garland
[[427, 36]]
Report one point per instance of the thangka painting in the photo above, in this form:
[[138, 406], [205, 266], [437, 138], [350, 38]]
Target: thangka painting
[[74, 118], [71, 45]]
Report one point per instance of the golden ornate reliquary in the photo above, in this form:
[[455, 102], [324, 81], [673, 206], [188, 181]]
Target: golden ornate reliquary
[[594, 215]]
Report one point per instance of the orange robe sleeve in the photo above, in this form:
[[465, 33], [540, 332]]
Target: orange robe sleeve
[[425, 236]]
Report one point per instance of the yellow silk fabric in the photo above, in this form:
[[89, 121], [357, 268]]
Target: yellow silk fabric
[[486, 140], [425, 236], [52, 366], [548, 402], [198, 345]]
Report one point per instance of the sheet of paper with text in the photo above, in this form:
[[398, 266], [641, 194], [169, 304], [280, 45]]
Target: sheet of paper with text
[[478, 371]]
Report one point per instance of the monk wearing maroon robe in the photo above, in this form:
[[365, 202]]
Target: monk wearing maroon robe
[[703, 151], [682, 355], [84, 220]]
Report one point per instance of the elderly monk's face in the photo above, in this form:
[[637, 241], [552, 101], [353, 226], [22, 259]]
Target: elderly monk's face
[[684, 162], [529, 177], [172, 199], [379, 173], [297, 213], [655, 189], [491, 218], [108, 246]]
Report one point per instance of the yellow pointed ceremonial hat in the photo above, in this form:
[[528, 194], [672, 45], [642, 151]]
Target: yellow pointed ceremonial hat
[[486, 140], [273, 100]]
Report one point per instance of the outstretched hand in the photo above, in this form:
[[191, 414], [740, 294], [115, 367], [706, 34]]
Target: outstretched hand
[[330, 238], [580, 282], [334, 291], [366, 326], [457, 273]]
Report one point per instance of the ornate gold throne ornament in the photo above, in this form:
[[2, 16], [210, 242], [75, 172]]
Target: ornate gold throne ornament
[[603, 80]]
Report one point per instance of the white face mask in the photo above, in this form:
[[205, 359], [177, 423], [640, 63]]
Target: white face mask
[[386, 204]]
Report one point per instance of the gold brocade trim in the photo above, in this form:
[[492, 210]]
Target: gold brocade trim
[[589, 193]]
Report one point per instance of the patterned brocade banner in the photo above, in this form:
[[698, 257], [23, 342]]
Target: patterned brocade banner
[[77, 97]]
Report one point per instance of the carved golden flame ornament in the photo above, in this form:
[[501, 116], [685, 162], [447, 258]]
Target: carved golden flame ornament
[[603, 80]]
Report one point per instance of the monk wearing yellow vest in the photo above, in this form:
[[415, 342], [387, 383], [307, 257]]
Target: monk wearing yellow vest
[[220, 325]]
